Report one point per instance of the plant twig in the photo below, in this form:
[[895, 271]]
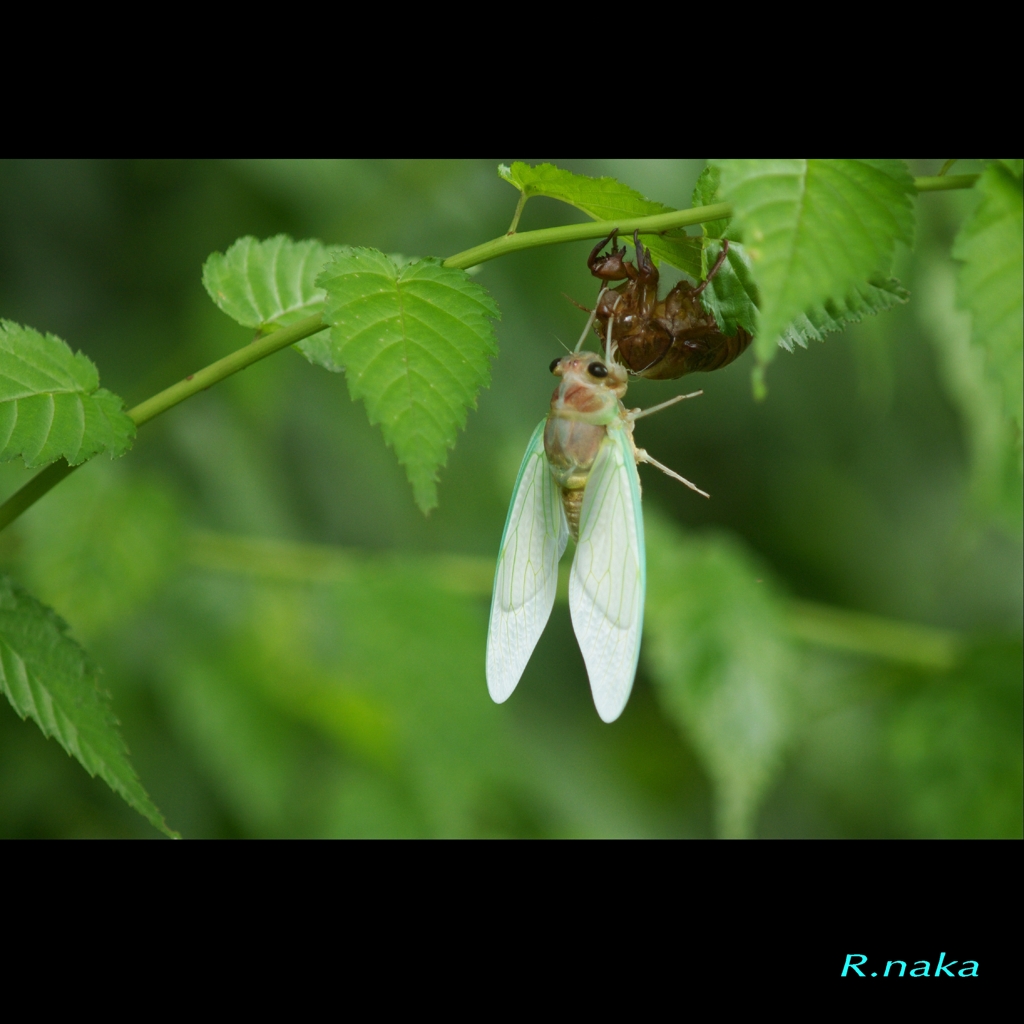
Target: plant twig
[[287, 562], [655, 225], [519, 212], [267, 344], [168, 398], [939, 183]]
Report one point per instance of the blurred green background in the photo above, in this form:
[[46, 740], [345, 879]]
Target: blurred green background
[[294, 650]]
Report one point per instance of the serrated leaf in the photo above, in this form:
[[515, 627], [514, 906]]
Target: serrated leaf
[[716, 644], [605, 199], [815, 229], [416, 343], [272, 282], [47, 677], [732, 298], [990, 287], [873, 297], [51, 402]]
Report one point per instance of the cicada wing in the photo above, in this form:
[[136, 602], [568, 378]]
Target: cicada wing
[[609, 575], [526, 578]]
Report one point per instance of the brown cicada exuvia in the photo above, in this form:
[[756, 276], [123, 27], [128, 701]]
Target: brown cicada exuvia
[[661, 339]]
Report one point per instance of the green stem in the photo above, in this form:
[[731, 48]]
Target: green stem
[[256, 350], [941, 182], [167, 399], [519, 212], [860, 633], [279, 561], [285, 336], [655, 225], [33, 491]]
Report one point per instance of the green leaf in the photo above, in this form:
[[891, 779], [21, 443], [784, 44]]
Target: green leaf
[[815, 230], [47, 677], [990, 288], [731, 297], [266, 283], [272, 284], [416, 343], [51, 402], [717, 647], [872, 297], [732, 294], [606, 199]]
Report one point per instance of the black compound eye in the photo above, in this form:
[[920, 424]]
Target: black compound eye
[[597, 370], [554, 363]]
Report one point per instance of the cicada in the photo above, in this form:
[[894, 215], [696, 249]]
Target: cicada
[[662, 339], [578, 478]]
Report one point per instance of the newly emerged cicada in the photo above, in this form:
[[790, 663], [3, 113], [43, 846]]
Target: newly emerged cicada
[[659, 339], [578, 477]]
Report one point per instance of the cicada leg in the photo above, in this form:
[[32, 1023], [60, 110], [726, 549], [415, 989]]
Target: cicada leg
[[590, 322], [638, 414], [642, 456], [715, 268]]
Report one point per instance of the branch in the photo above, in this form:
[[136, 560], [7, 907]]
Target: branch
[[656, 225], [939, 183], [277, 561], [267, 344], [167, 399]]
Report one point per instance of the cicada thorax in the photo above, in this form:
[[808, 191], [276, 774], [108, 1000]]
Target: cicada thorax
[[659, 339], [586, 401]]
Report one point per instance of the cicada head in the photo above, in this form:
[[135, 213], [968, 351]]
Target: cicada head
[[591, 385]]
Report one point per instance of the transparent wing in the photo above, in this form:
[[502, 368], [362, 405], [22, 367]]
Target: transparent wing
[[527, 575], [609, 575]]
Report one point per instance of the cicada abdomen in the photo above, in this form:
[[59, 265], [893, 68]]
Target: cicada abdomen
[[659, 339]]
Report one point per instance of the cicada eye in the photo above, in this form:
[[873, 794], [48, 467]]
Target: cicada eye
[[597, 370], [554, 363]]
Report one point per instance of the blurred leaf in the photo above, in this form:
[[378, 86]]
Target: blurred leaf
[[991, 244], [51, 402], [388, 666], [242, 712], [269, 282], [716, 644], [240, 740], [978, 396], [103, 549], [606, 199], [47, 677], [416, 342], [392, 668], [956, 747], [815, 229]]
